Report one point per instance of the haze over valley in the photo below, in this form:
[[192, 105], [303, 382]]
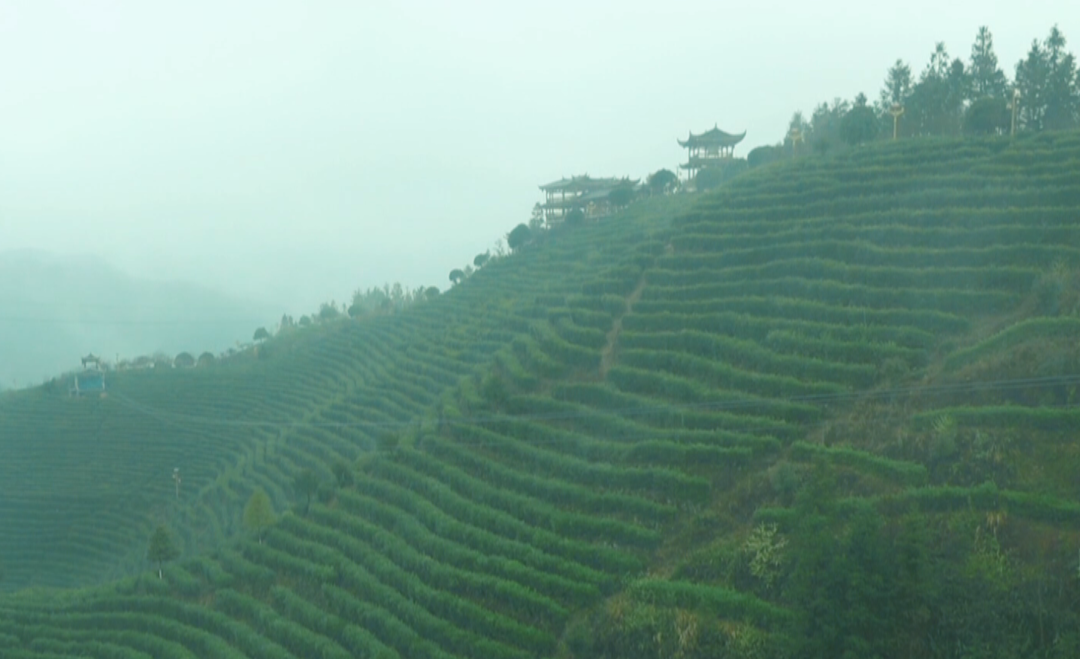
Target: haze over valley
[[571, 331]]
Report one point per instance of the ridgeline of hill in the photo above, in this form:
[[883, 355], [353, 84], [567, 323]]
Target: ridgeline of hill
[[827, 410], [58, 309]]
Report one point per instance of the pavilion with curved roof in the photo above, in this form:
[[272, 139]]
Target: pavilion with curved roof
[[709, 149]]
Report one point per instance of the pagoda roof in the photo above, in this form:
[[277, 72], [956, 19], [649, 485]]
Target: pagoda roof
[[586, 183], [712, 137]]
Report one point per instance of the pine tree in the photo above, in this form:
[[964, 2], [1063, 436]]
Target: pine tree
[[859, 124], [1062, 94], [987, 79], [162, 549], [259, 513], [897, 85], [1032, 76], [936, 103]]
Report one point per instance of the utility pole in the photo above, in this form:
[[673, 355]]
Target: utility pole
[[896, 111]]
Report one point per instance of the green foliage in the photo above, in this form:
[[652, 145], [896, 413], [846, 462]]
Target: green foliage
[[261, 334], [259, 513], [766, 550], [770, 310], [328, 311], [518, 237], [987, 79], [162, 547], [764, 155], [662, 181], [907, 473], [184, 360], [621, 196], [987, 116], [1032, 329], [391, 298], [860, 124], [711, 177]]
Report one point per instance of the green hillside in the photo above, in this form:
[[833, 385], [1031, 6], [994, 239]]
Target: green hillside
[[825, 410]]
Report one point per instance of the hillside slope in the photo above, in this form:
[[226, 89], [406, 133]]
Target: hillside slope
[[824, 410]]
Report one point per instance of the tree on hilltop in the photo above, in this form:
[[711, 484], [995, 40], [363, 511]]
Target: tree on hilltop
[[898, 83], [621, 196], [987, 116], [480, 260], [306, 485], [184, 360], [986, 77], [936, 103], [261, 334], [259, 513], [519, 237], [206, 359], [536, 220], [457, 275], [764, 155], [662, 181], [860, 124], [1062, 94], [328, 311], [162, 549]]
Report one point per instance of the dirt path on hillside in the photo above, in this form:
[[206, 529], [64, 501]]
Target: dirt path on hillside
[[607, 355]]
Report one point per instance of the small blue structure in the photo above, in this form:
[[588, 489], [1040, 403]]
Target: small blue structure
[[91, 379]]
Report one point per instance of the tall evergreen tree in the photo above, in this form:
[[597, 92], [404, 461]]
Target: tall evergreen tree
[[825, 125], [1032, 75], [987, 78], [936, 103], [1062, 96], [162, 549], [897, 91], [860, 124], [1048, 82], [898, 83]]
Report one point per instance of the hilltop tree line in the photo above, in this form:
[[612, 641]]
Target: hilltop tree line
[[950, 97], [660, 182]]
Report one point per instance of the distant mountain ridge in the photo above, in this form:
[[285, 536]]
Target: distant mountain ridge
[[55, 309]]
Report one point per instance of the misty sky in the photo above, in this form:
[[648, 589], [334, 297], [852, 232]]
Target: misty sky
[[294, 151]]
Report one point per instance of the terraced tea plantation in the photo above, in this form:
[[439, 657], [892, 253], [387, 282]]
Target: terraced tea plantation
[[829, 408]]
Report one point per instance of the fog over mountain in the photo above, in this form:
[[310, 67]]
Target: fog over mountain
[[297, 151], [56, 309]]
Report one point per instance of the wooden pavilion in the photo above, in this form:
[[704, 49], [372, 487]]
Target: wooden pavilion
[[709, 149], [582, 192]]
